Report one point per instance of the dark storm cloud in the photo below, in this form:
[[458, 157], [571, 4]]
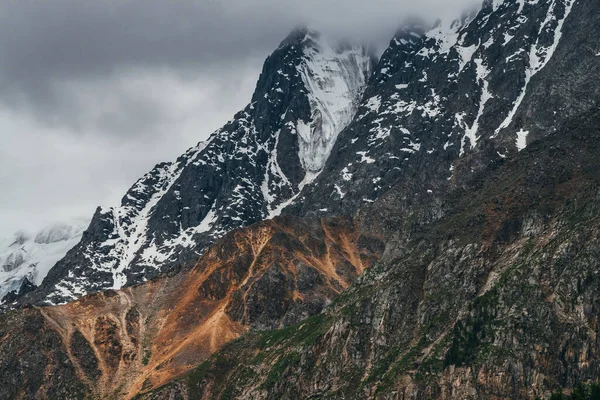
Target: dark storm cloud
[[61, 38]]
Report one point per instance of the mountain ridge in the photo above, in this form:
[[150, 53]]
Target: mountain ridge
[[305, 94], [496, 299]]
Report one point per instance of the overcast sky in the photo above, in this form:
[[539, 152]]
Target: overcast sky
[[94, 93]]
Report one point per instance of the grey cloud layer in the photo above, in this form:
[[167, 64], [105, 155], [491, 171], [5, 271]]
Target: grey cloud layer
[[46, 43]]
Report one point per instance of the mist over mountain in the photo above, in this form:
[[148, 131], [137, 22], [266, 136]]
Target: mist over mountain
[[415, 223]]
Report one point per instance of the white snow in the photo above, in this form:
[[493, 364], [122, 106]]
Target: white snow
[[374, 103], [346, 174], [339, 191], [466, 55], [364, 158], [496, 4], [378, 133], [274, 169], [507, 38], [489, 43], [539, 56], [184, 239], [471, 131], [446, 35], [521, 141], [308, 179], [335, 79]]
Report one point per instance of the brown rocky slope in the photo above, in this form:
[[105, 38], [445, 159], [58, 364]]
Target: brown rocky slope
[[116, 344]]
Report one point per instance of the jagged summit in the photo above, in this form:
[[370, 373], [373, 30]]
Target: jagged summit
[[245, 172], [300, 35]]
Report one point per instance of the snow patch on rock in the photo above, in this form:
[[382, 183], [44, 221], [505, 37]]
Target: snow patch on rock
[[335, 78], [521, 141]]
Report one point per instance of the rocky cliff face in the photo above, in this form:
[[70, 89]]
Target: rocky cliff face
[[307, 93], [497, 299]]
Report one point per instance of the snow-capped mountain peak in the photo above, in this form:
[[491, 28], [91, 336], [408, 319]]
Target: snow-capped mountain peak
[[306, 95], [30, 256], [446, 95]]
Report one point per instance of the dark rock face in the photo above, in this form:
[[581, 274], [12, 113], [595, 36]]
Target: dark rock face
[[42, 368], [84, 354], [307, 93], [498, 298], [443, 103], [24, 288]]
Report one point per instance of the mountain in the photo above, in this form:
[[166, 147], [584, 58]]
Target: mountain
[[441, 242], [307, 93], [498, 299], [25, 259], [440, 104]]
